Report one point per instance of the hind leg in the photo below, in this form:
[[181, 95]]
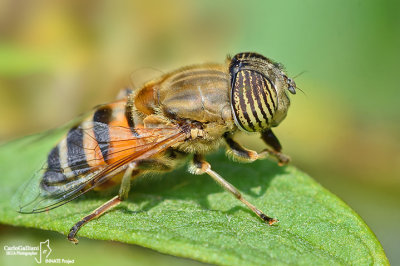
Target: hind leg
[[133, 170], [122, 195]]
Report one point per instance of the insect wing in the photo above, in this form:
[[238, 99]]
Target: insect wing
[[61, 180], [34, 199]]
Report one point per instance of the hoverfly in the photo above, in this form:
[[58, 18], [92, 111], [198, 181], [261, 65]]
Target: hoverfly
[[187, 112]]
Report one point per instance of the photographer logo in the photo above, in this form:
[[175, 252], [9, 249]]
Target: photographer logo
[[40, 253]]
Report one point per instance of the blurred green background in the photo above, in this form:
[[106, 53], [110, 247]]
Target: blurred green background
[[60, 58]]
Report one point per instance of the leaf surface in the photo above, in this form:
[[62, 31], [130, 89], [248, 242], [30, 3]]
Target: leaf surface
[[191, 216]]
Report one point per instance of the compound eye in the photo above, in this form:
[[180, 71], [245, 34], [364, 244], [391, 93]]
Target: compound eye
[[253, 100]]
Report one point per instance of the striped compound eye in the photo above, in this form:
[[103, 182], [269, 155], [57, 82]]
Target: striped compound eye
[[253, 96]]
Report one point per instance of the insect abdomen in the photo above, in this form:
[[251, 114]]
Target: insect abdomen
[[87, 146], [65, 162]]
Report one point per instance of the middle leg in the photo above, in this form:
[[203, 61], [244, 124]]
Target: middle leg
[[200, 166]]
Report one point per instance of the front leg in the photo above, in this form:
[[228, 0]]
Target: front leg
[[270, 139], [240, 153], [200, 166]]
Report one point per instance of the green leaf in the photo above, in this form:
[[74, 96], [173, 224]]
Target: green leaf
[[191, 216]]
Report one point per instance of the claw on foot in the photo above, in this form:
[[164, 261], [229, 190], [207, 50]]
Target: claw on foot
[[73, 240], [269, 220]]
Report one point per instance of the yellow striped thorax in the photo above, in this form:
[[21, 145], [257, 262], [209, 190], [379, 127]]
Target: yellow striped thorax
[[258, 93]]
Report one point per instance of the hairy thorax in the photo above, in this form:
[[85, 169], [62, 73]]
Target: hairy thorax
[[197, 96]]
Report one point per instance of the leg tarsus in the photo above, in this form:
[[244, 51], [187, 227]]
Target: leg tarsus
[[283, 159], [96, 213], [244, 154], [122, 195], [269, 220], [200, 166]]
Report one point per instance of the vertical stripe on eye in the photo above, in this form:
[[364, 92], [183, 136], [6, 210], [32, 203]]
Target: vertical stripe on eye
[[260, 97], [250, 87], [240, 88]]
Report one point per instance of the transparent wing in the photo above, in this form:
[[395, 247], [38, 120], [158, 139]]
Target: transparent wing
[[142, 75], [69, 182]]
